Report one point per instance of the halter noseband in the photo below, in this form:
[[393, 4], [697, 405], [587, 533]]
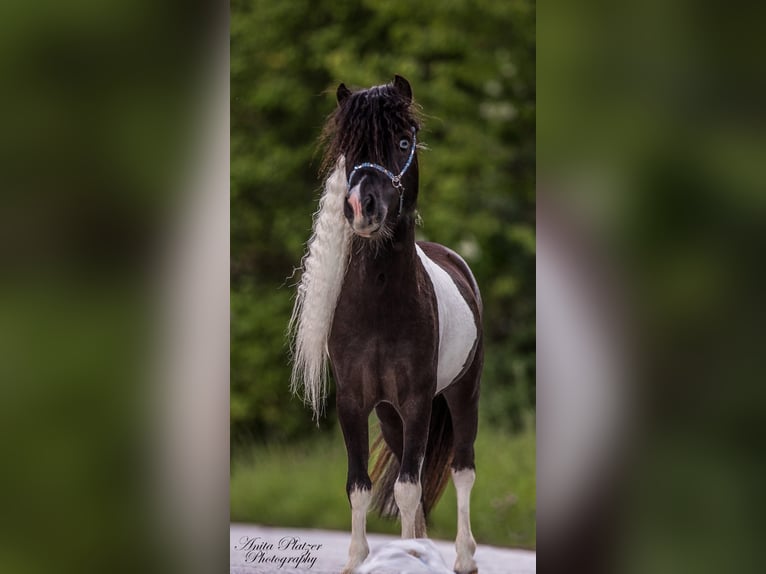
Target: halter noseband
[[396, 180]]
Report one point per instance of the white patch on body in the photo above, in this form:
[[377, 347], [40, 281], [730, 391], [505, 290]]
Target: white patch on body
[[359, 549], [465, 545], [457, 327]]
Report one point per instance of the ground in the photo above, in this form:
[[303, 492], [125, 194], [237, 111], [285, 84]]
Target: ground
[[258, 549]]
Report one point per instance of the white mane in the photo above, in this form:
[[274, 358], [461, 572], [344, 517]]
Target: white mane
[[324, 267]]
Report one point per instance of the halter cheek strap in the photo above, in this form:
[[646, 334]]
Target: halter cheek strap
[[396, 180]]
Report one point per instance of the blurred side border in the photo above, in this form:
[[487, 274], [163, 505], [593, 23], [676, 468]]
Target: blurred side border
[[651, 214], [114, 289]]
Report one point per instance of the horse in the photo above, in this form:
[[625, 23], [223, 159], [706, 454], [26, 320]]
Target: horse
[[399, 321]]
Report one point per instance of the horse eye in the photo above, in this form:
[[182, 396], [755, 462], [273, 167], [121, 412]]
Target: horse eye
[[404, 143]]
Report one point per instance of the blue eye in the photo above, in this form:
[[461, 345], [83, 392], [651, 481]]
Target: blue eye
[[404, 143]]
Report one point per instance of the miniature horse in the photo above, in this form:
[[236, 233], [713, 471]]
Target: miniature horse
[[400, 321]]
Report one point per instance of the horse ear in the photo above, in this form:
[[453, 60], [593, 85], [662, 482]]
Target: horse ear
[[403, 87], [342, 93]]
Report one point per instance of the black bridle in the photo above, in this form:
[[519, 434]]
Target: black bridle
[[396, 180]]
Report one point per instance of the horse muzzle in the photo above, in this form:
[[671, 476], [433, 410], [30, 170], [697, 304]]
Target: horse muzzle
[[365, 213]]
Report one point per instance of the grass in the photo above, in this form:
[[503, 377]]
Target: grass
[[304, 486]]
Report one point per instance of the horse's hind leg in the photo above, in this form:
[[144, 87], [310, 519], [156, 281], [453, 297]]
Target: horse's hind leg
[[353, 422], [391, 428], [463, 401], [465, 544]]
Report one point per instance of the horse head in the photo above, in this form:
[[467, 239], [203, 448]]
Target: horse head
[[377, 132]]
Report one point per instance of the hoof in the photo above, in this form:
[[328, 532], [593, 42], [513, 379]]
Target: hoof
[[355, 562], [467, 567], [465, 564], [357, 552]]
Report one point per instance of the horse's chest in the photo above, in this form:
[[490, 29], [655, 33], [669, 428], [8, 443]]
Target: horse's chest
[[382, 333], [457, 327]]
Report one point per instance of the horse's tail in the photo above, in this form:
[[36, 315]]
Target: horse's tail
[[436, 465]]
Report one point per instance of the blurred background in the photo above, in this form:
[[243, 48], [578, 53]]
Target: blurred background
[[472, 69], [651, 218], [113, 252]]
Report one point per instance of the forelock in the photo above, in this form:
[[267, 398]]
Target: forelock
[[367, 121]]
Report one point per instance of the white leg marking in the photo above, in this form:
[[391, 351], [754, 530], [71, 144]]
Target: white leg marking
[[420, 523], [407, 496], [464, 543], [359, 549]]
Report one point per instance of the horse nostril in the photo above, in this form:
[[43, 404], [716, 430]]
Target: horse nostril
[[369, 206]]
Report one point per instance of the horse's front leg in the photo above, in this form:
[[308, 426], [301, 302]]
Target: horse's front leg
[[407, 489], [353, 422]]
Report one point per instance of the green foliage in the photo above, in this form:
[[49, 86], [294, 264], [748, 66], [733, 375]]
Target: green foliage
[[305, 485], [471, 66]]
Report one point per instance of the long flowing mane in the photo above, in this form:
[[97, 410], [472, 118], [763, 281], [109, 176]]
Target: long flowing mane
[[367, 122], [324, 266]]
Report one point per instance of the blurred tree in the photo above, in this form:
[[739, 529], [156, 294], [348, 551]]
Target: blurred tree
[[472, 68]]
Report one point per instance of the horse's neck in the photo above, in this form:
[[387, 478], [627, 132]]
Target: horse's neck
[[394, 258]]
